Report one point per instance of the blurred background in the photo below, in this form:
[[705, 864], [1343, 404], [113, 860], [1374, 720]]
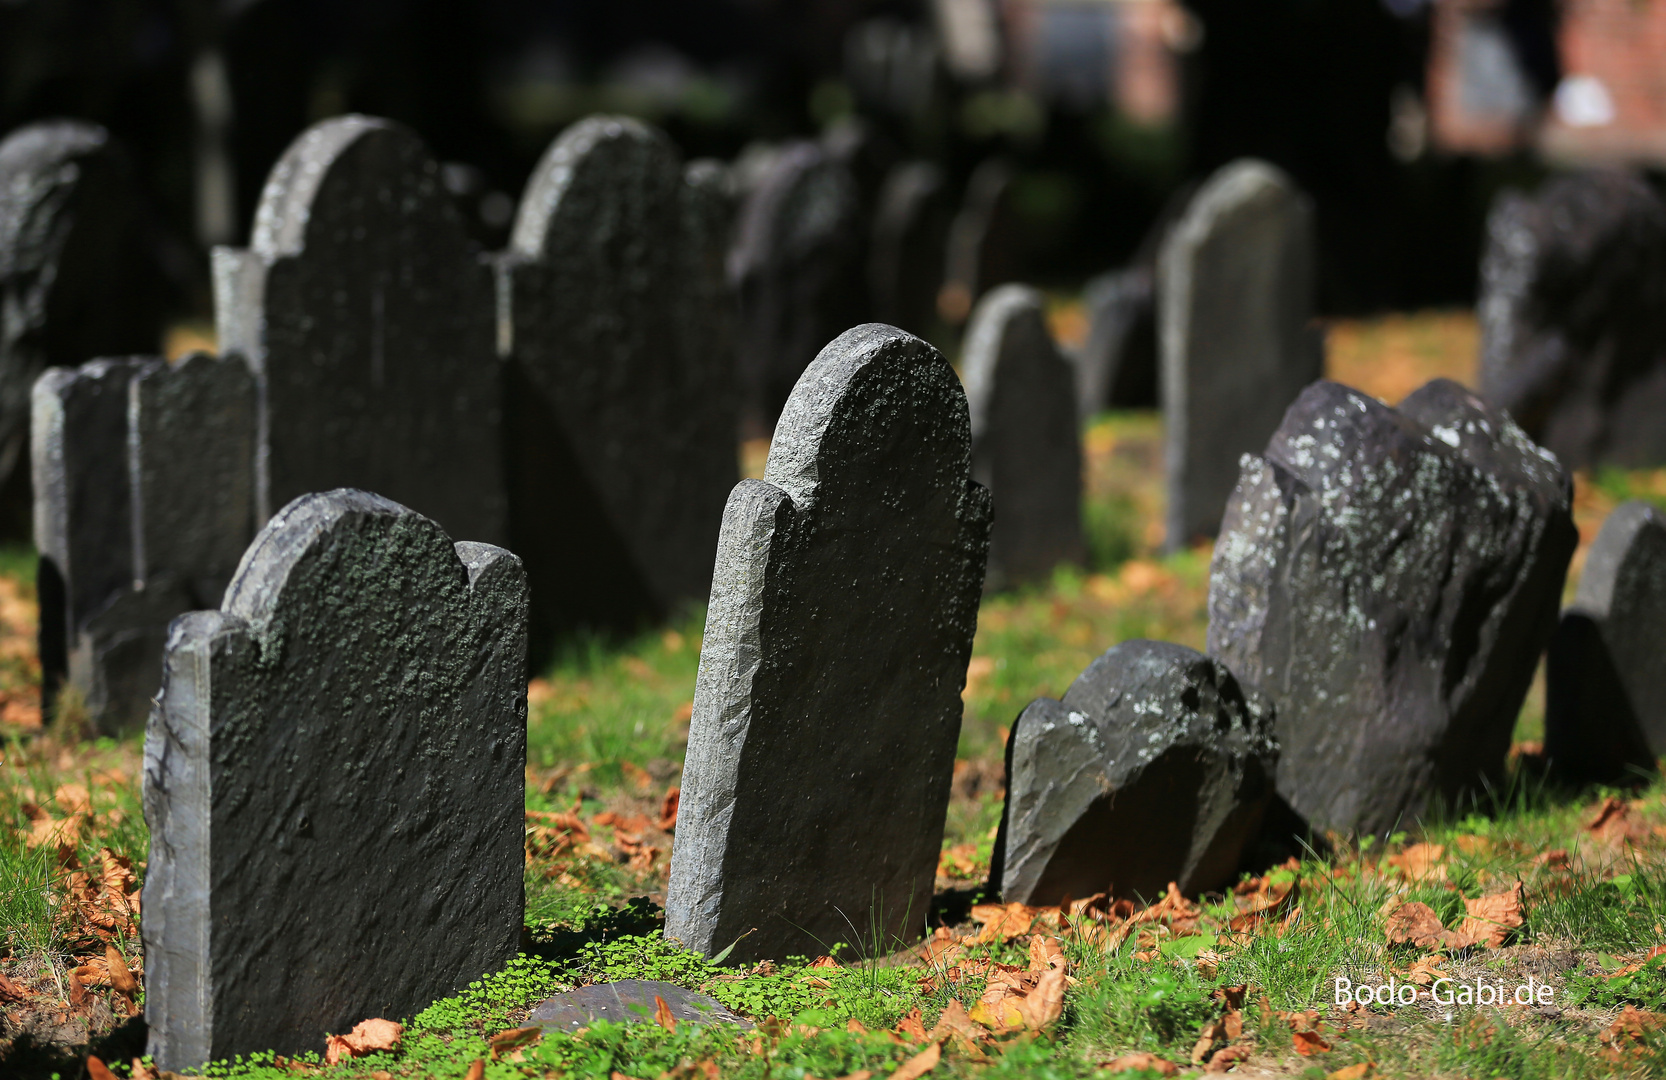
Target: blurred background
[[1401, 118]]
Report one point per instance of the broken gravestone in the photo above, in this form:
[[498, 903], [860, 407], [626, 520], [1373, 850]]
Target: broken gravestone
[[1235, 284], [1156, 767], [1605, 677], [827, 708], [1388, 579], [367, 316], [630, 1000], [1025, 447], [1573, 317], [905, 261], [144, 477], [617, 323], [796, 269], [379, 670]]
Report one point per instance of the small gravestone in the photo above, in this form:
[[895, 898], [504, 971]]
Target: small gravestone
[[1025, 448], [1605, 686], [1389, 579], [367, 316], [796, 268], [905, 261], [1116, 367], [630, 1001], [76, 278], [617, 321], [827, 708], [1573, 317], [1156, 767], [333, 784], [985, 246], [1235, 285]]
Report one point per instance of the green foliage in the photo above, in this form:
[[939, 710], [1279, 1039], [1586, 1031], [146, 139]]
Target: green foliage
[[1645, 987], [1615, 913], [648, 956], [1145, 1006], [524, 981]]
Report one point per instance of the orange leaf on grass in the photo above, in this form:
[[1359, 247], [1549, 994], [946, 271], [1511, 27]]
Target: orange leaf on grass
[[120, 977], [1309, 1043], [1141, 1062], [367, 1037], [1350, 1072], [1492, 919], [920, 1064], [1420, 862], [1415, 923], [1045, 1003], [1228, 1056], [1046, 953], [912, 1026], [97, 1070], [477, 1070], [662, 1014], [514, 1039]]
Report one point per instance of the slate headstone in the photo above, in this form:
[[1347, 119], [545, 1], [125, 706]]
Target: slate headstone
[[985, 246], [796, 268], [1116, 367], [1025, 445], [1573, 317], [76, 278], [630, 1001], [910, 231], [827, 707], [1235, 286], [1605, 676], [1155, 767], [618, 324], [1389, 579], [368, 317], [333, 784]]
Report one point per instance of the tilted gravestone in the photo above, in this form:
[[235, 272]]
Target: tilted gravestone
[[76, 280], [144, 478], [1156, 767], [1573, 317], [796, 268], [905, 260], [827, 707], [1235, 286], [368, 318], [333, 784], [985, 246], [1116, 367], [1025, 447], [1605, 676], [1388, 579], [617, 322]]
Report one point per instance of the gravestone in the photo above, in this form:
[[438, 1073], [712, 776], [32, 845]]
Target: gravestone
[[1389, 579], [910, 230], [367, 316], [630, 1001], [796, 268], [1235, 286], [1155, 767], [379, 670], [1025, 446], [617, 323], [827, 708], [1605, 676], [985, 242], [1116, 367], [76, 279], [1573, 317]]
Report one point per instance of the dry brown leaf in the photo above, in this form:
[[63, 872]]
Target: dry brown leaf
[[1615, 823], [120, 977], [1045, 1003], [662, 1014], [97, 1070], [912, 1027], [1142, 1062], [1426, 970], [1630, 1032], [1003, 922], [955, 1022], [1420, 862], [1492, 919], [854, 1026], [920, 1064], [513, 1039], [1046, 953], [668, 809], [1555, 859], [73, 799], [141, 1071], [1415, 923], [1351, 1072], [1228, 1056], [1213, 1032], [824, 962], [77, 989], [367, 1037], [1308, 1043], [11, 990], [1654, 951], [477, 1070]]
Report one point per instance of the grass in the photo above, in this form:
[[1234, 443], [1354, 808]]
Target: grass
[[607, 729]]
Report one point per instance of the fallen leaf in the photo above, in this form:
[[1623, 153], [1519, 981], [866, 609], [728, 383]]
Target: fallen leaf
[[824, 962], [1045, 1003], [1003, 922], [1228, 1056], [141, 1071], [120, 977], [955, 1022], [1555, 859], [513, 1039], [912, 1027], [77, 989], [1654, 951], [1414, 923], [668, 809], [477, 1070], [1212, 1033], [920, 1064], [97, 1070], [1630, 1032], [1420, 862], [636, 775], [1350, 1072], [854, 1026], [1492, 919], [11, 990], [1614, 823], [1046, 953], [1142, 1062], [1308, 1043], [662, 1014], [367, 1037], [73, 799]]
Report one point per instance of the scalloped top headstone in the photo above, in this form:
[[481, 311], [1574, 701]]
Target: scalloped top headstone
[[1234, 296], [1025, 447], [368, 317], [616, 315], [333, 784], [827, 708]]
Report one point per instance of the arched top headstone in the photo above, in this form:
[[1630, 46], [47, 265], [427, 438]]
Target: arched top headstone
[[1626, 563], [601, 169]]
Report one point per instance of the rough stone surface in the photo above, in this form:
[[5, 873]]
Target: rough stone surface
[[1605, 701], [1116, 367], [1156, 767], [623, 417], [75, 280], [796, 267], [1573, 317], [368, 318], [985, 241], [1234, 294], [910, 232], [827, 707], [628, 1001], [333, 784], [1025, 447], [1388, 579]]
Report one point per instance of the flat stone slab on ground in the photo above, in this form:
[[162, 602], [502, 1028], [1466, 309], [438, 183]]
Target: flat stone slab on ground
[[630, 1001]]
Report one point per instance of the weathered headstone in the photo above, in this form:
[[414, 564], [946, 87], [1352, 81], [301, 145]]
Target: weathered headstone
[[1025, 446], [333, 784], [368, 318], [75, 279], [985, 242], [1235, 286], [827, 707], [1573, 317], [1116, 367], [1605, 677], [630, 1000], [1155, 767], [1389, 579], [910, 231], [618, 325], [796, 268]]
